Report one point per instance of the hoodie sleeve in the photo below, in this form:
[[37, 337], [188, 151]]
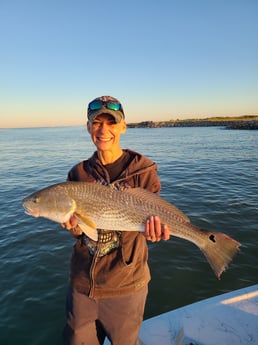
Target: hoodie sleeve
[[143, 172]]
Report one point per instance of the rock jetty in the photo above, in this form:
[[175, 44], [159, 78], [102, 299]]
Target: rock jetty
[[248, 123]]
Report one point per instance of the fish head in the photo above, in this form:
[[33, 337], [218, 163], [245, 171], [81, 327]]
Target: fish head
[[49, 204]]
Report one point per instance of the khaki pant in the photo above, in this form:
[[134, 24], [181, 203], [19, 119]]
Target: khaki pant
[[89, 320]]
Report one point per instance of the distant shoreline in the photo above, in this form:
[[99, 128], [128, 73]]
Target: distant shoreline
[[241, 122]]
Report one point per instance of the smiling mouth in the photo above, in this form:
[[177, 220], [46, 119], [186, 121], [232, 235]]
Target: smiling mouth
[[104, 139]]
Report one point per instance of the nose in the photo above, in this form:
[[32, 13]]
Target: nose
[[103, 126]]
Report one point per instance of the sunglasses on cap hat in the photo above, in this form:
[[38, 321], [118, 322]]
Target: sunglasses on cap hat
[[98, 104]]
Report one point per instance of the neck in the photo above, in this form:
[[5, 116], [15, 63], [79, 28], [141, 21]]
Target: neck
[[108, 157]]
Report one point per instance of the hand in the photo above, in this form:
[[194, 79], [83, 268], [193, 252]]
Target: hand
[[72, 226], [155, 231]]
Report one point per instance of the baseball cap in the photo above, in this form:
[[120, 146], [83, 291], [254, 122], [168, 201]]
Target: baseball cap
[[105, 105]]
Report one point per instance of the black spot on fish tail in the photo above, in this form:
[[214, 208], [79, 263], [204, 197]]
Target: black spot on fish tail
[[212, 238], [219, 250]]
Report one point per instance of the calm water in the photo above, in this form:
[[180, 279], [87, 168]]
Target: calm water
[[210, 173]]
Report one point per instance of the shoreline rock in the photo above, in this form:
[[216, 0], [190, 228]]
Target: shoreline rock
[[235, 124]]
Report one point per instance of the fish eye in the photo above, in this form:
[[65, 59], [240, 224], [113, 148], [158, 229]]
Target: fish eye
[[35, 199]]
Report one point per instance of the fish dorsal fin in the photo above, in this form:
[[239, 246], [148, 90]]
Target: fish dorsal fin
[[87, 226], [148, 196]]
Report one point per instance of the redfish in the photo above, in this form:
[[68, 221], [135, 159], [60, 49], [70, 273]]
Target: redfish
[[105, 207]]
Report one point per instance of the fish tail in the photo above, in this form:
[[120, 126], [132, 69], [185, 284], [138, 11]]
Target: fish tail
[[219, 251]]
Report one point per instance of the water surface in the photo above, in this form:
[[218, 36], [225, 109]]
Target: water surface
[[210, 173]]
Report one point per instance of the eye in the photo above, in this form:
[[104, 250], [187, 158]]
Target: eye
[[96, 123], [35, 199]]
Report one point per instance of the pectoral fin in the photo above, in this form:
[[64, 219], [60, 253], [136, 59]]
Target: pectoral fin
[[87, 226]]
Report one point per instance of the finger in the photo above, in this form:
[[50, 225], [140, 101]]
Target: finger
[[73, 221], [157, 228], [165, 232], [150, 229], [147, 229], [67, 225], [152, 233]]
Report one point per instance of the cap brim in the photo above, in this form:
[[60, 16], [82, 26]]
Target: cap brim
[[117, 115]]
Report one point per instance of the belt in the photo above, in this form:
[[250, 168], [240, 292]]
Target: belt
[[107, 242]]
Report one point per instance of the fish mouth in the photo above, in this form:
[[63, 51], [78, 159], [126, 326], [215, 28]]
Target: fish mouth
[[31, 212]]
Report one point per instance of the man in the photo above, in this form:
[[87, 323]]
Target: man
[[109, 277]]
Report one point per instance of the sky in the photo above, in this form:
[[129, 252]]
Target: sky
[[164, 60]]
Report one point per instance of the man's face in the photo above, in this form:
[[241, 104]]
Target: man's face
[[105, 132]]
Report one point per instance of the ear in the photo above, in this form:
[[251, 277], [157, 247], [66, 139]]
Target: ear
[[88, 127], [123, 127]]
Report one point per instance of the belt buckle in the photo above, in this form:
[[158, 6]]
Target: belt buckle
[[107, 242]]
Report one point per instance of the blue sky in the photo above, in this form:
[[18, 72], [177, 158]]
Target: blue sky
[[164, 60]]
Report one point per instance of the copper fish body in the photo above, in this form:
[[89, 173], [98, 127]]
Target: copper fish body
[[103, 207]]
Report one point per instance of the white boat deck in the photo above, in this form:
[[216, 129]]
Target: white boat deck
[[228, 319]]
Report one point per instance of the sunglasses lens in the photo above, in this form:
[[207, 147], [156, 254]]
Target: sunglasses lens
[[95, 105], [113, 106]]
